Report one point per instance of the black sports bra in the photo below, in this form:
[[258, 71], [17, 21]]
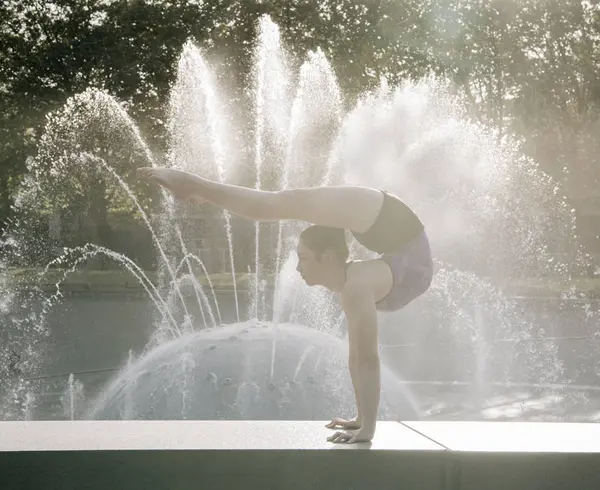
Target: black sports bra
[[395, 226]]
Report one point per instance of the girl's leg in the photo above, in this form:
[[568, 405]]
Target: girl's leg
[[351, 207]]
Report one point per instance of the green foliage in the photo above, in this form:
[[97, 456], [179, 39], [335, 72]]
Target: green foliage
[[530, 67]]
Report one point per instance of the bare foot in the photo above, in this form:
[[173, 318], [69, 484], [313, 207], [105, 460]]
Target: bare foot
[[178, 182]]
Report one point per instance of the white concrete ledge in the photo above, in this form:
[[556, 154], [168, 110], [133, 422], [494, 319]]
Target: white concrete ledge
[[513, 437], [295, 455], [196, 435]]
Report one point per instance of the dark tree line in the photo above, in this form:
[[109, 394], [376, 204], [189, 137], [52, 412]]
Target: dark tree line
[[527, 67]]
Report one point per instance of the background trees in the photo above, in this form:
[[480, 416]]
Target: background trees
[[527, 67]]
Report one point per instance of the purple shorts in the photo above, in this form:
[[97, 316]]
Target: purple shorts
[[412, 272]]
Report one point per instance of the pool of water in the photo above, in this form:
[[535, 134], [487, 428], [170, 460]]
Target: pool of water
[[93, 336]]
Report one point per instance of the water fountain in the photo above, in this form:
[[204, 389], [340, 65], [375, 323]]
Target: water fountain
[[488, 209], [227, 372]]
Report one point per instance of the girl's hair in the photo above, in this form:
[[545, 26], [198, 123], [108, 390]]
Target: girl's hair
[[318, 239]]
